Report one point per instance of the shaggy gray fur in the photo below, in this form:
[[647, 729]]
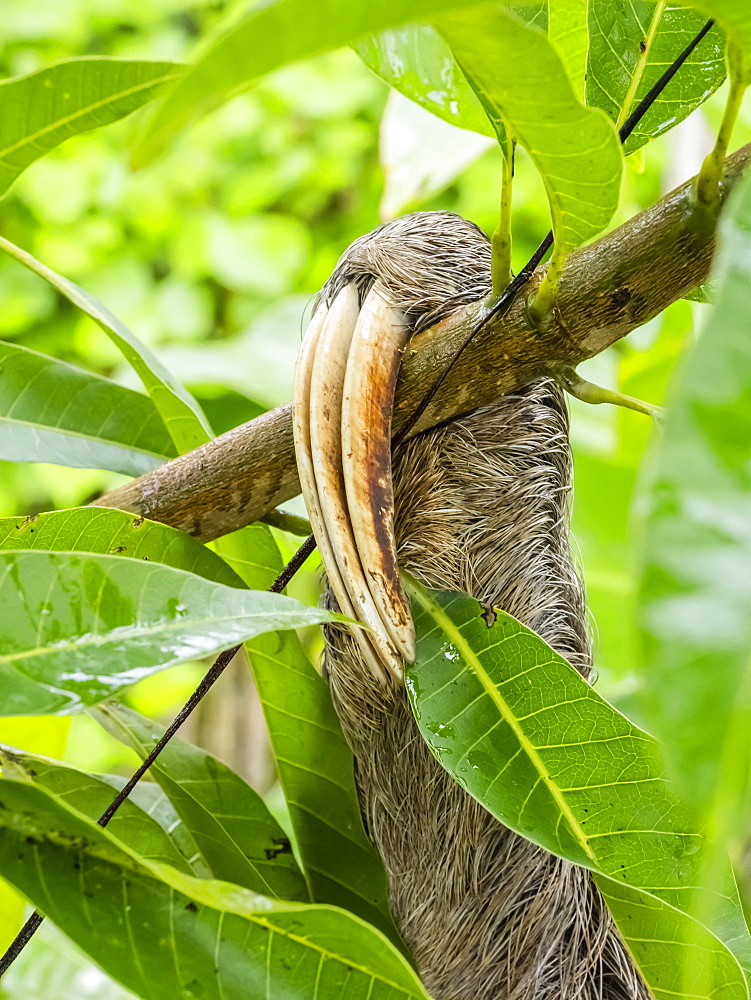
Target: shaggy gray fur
[[482, 507]]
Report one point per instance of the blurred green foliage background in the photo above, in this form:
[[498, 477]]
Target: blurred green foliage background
[[212, 256]]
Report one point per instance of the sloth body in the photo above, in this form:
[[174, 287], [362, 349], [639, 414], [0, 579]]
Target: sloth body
[[481, 507]]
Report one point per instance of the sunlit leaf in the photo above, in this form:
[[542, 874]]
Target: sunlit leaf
[[76, 628], [51, 411], [567, 29], [234, 831], [315, 769], [631, 46], [416, 61], [271, 35], [516, 70], [181, 414], [520, 730], [733, 16], [114, 532], [696, 587], [39, 111], [91, 794], [128, 914]]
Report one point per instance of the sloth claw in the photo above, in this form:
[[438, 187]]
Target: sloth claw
[[343, 401], [301, 423], [373, 363]]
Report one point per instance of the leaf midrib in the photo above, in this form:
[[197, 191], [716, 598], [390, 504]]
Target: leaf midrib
[[29, 140], [473, 662]]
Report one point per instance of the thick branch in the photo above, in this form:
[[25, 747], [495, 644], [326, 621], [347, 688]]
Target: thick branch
[[607, 289]]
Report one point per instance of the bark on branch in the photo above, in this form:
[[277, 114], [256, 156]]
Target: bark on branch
[[607, 289]]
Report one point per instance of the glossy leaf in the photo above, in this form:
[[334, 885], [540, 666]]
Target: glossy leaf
[[415, 61], [181, 414], [421, 155], [271, 35], [696, 589], [43, 109], [51, 411], [128, 913], [516, 70], [733, 17], [234, 831], [568, 31], [91, 794], [114, 532], [520, 730], [315, 770], [76, 628], [629, 51]]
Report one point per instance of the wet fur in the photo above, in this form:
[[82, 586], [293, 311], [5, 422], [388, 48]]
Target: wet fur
[[482, 507]]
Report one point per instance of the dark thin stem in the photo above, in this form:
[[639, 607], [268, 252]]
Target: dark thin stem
[[504, 302], [218, 667]]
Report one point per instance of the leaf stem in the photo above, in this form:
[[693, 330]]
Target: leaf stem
[[710, 175], [641, 64], [500, 260]]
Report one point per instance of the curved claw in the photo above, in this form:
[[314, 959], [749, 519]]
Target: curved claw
[[301, 423], [367, 406], [326, 389]]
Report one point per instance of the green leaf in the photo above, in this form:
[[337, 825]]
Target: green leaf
[[521, 730], [733, 17], [271, 35], [114, 532], [631, 45], [567, 30], [416, 61], [76, 628], [695, 592], [181, 414], [91, 794], [238, 838], [51, 411], [315, 768], [130, 915], [43, 109], [516, 70]]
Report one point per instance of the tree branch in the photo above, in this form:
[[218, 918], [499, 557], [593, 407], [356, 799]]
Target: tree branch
[[607, 289]]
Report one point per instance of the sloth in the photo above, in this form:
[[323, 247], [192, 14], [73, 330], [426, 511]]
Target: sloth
[[479, 505]]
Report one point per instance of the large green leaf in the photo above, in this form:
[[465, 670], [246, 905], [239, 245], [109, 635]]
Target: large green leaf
[[271, 35], [51, 411], [632, 42], [696, 590], [91, 794], [521, 730], [416, 61], [314, 764], [181, 413], [114, 532], [76, 628], [568, 31], [517, 71], [237, 836], [733, 16], [39, 111], [168, 936]]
